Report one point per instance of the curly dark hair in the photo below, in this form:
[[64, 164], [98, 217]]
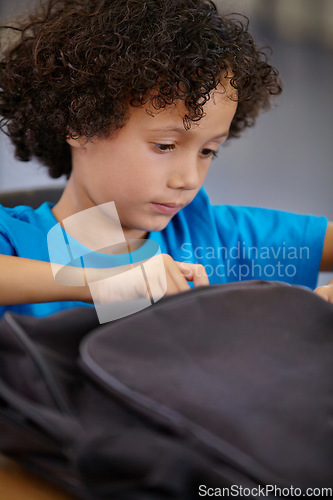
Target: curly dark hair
[[77, 66]]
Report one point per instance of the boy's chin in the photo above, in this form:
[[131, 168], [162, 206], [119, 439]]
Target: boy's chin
[[142, 230], [158, 225]]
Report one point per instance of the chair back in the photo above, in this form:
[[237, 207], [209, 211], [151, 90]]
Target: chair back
[[31, 197]]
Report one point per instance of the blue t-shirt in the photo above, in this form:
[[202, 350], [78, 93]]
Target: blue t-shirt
[[233, 243]]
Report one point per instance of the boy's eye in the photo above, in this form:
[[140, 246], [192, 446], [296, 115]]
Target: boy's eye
[[209, 153], [164, 147]]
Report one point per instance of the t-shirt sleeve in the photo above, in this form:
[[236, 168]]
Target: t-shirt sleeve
[[269, 244], [5, 246], [5, 249]]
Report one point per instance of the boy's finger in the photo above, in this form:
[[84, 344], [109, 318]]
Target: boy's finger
[[176, 282], [325, 292], [194, 272]]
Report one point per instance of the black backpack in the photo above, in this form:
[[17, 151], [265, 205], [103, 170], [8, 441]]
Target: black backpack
[[220, 389]]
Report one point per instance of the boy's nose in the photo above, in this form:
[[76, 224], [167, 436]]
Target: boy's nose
[[185, 176]]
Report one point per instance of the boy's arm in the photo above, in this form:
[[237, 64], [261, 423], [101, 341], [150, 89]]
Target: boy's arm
[[327, 257], [25, 281], [326, 292]]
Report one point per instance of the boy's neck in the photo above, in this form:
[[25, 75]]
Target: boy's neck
[[100, 225]]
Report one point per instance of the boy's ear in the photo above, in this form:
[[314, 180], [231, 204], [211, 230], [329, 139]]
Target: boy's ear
[[79, 142]]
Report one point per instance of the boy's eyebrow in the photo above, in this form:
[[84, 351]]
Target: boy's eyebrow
[[222, 136], [181, 130]]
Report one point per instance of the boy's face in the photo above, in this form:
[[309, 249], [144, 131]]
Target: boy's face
[[151, 168]]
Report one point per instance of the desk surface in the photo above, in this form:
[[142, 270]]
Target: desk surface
[[17, 484]]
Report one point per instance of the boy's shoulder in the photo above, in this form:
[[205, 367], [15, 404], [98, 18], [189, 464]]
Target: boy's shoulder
[[23, 229], [21, 212], [24, 213]]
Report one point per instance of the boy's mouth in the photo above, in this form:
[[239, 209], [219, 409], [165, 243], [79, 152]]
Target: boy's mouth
[[166, 208]]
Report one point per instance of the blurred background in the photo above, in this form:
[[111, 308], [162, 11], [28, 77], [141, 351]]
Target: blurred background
[[285, 161]]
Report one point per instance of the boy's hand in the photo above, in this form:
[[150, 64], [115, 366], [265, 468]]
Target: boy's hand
[[325, 292], [164, 276], [179, 273]]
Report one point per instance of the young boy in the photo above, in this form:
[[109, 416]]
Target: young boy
[[131, 101]]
